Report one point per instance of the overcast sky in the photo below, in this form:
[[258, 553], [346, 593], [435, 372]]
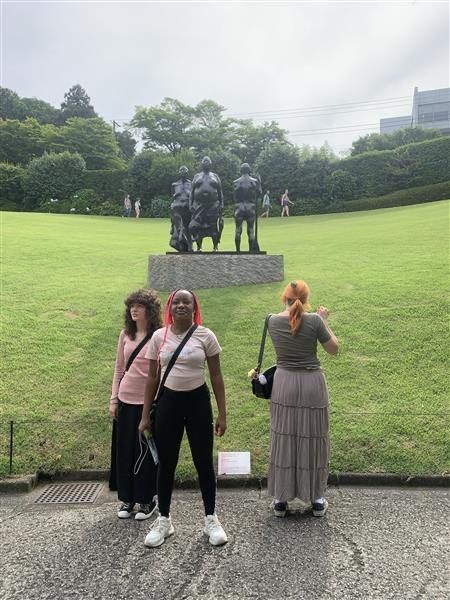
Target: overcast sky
[[251, 57]]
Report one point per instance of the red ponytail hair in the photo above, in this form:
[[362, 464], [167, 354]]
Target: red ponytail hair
[[296, 295]]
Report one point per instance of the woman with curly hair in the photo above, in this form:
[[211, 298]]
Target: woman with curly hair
[[135, 471], [299, 436]]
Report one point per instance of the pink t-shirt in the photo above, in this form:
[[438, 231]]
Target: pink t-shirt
[[188, 372], [132, 387]]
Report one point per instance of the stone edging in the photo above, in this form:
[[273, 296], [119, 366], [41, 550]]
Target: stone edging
[[27, 482]]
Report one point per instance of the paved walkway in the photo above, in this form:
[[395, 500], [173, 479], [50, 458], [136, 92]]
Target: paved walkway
[[374, 544]]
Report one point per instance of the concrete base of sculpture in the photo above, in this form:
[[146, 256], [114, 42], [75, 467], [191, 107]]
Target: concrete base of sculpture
[[212, 270]]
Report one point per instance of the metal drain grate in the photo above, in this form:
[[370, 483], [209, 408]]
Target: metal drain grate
[[69, 493]]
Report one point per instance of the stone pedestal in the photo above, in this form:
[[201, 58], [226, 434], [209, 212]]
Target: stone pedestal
[[212, 270]]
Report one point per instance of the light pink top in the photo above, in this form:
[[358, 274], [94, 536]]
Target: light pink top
[[188, 371], [132, 387]]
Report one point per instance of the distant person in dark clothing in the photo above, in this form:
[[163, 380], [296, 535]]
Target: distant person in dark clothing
[[285, 204]]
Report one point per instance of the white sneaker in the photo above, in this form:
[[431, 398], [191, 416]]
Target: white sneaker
[[161, 529], [214, 530]]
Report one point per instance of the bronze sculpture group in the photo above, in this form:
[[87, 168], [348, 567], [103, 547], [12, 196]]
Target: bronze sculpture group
[[197, 208]]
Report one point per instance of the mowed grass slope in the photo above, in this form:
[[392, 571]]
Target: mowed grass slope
[[383, 274]]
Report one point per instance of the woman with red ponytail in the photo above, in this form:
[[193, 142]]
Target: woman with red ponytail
[[299, 441], [184, 403]]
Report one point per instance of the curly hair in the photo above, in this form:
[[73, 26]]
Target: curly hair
[[152, 303], [296, 295]]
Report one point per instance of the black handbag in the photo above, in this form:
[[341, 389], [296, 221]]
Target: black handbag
[[263, 389]]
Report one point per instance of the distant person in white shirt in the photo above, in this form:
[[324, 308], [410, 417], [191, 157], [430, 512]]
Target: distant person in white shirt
[[137, 208], [266, 204]]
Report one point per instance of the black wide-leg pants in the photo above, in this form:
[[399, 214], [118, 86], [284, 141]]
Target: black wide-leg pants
[[130, 487]]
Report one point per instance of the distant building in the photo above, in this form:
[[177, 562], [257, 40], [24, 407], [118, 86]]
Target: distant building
[[431, 110]]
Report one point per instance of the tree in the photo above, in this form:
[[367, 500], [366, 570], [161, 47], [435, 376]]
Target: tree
[[127, 144], [20, 141], [164, 171], [42, 111], [53, 176], [390, 141], [77, 104], [253, 139], [11, 184], [211, 131], [166, 126], [11, 106], [312, 174], [94, 140], [139, 174], [279, 166]]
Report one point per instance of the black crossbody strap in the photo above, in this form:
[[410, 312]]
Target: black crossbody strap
[[263, 342], [136, 351], [175, 355]]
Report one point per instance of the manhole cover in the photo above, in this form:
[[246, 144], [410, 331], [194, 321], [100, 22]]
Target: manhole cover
[[69, 493]]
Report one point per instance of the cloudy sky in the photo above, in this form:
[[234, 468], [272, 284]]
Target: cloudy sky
[[323, 70]]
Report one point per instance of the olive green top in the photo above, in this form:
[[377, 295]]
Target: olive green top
[[298, 351]]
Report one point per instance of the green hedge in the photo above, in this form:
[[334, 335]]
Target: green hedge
[[417, 195], [108, 184], [381, 172], [11, 186]]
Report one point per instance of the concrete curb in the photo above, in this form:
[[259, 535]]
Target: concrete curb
[[22, 484], [27, 482]]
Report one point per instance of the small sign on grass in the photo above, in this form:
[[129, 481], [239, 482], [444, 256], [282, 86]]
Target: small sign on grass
[[234, 463]]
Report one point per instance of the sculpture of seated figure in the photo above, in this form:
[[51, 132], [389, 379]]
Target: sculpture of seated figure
[[180, 214], [246, 191], [206, 205]]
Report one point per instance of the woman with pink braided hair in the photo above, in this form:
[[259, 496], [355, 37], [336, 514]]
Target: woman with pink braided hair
[[184, 403]]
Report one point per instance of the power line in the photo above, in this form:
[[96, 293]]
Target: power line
[[394, 102], [329, 132], [350, 125], [324, 106], [326, 114]]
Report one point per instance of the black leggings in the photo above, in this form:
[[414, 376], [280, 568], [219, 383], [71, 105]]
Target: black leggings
[[175, 411]]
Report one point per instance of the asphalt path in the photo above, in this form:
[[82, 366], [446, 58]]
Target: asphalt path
[[374, 543]]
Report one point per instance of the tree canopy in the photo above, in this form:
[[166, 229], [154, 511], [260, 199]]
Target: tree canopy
[[77, 103], [389, 141]]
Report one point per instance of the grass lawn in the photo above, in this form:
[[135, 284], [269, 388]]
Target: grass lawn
[[383, 274]]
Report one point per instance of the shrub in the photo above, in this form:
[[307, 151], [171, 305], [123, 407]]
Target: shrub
[[52, 176], [108, 184], [381, 172], [418, 195], [340, 185], [160, 207], [279, 167], [11, 185], [85, 199]]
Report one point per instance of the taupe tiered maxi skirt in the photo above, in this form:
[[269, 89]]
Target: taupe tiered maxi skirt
[[299, 440]]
